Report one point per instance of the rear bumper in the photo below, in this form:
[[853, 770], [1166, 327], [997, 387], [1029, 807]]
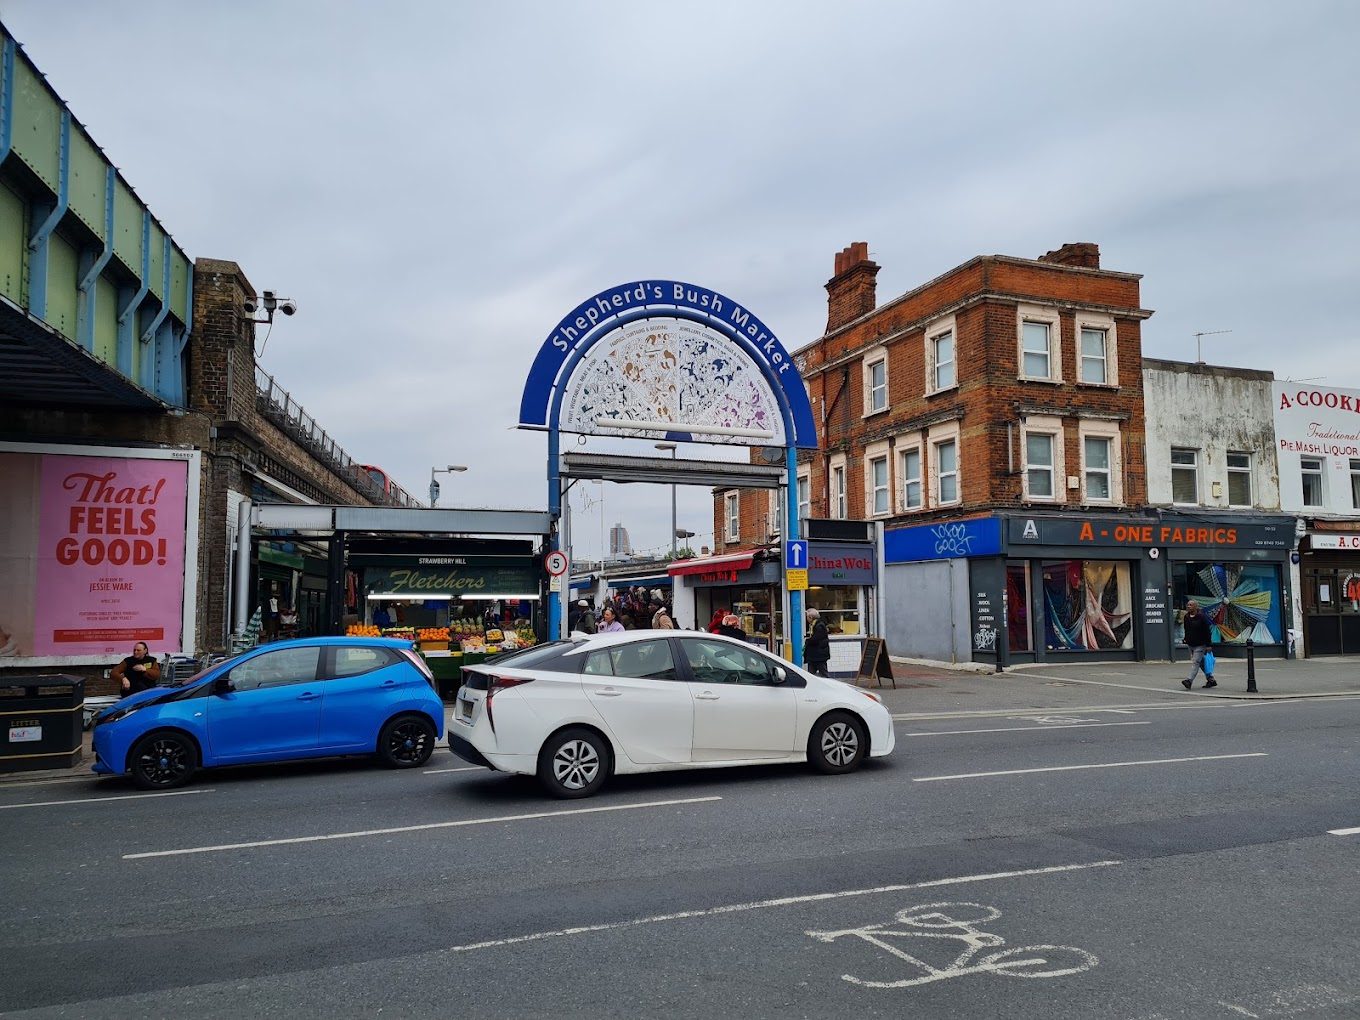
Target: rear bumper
[[464, 749]]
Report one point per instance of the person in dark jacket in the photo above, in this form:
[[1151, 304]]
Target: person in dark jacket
[[138, 672], [717, 620], [817, 650], [731, 627], [1199, 637]]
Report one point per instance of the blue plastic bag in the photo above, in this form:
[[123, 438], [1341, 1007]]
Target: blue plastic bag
[[1209, 662]]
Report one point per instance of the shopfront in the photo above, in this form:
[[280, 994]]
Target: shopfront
[[1329, 582], [745, 584]]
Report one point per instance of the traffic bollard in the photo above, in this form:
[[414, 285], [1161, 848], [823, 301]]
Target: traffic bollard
[[1251, 666]]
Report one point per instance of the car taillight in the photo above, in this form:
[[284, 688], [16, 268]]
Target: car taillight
[[418, 661], [496, 684]]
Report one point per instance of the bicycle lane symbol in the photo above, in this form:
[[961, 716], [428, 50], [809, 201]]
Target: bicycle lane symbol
[[959, 922]]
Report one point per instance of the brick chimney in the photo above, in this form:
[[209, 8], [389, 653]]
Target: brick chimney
[[1076, 253], [852, 291]]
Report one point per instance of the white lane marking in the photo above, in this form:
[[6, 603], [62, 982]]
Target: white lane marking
[[1073, 768], [1018, 729], [103, 800], [783, 901], [417, 828], [1344, 832], [465, 768]]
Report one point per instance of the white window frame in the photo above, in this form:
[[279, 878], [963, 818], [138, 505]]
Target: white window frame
[[935, 331], [1050, 318], [1104, 323], [1182, 467], [1248, 472], [877, 356], [838, 503], [1051, 426], [1088, 429], [773, 531], [875, 453], [1355, 478], [938, 436], [804, 490], [906, 446], [1322, 482], [732, 516]]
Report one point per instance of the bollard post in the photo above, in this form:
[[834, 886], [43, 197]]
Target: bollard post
[[1251, 667]]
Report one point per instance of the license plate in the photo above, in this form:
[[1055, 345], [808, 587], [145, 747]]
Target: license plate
[[24, 734], [467, 709]]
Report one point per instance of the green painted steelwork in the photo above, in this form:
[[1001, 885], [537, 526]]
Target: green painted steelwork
[[78, 249]]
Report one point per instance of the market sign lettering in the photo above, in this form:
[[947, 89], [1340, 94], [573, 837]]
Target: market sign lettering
[[420, 580], [719, 575], [1170, 532], [452, 581]]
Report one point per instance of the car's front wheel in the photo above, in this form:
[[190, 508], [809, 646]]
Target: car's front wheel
[[162, 760], [406, 742], [838, 743], [573, 763]]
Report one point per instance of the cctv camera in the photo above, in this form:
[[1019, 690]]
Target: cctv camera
[[288, 307], [250, 306], [270, 301]]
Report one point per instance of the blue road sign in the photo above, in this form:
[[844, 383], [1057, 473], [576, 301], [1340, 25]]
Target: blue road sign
[[795, 555]]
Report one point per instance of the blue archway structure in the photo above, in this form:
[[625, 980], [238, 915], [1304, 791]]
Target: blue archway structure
[[716, 344]]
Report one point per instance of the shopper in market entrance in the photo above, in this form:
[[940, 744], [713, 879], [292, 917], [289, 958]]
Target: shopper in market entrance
[[138, 672], [817, 651], [1199, 637], [609, 622], [583, 619], [731, 627]]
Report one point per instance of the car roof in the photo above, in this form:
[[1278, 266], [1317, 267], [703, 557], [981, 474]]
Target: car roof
[[302, 642], [615, 637]]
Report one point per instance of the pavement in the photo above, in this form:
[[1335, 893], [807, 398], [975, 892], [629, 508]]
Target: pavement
[[924, 689]]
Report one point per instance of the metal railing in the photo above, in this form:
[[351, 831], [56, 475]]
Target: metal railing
[[278, 405]]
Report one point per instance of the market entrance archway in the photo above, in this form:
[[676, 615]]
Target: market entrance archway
[[661, 360]]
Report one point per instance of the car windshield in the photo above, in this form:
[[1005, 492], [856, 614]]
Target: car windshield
[[528, 657], [203, 672]]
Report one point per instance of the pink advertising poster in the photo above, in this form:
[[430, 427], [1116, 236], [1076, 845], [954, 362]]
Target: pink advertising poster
[[110, 555]]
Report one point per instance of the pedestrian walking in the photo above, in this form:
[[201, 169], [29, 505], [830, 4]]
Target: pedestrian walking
[[661, 620], [1199, 638], [609, 622], [817, 650], [731, 627]]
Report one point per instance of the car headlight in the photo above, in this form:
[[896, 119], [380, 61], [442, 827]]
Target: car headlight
[[116, 714]]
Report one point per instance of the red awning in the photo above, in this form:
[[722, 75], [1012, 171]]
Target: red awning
[[709, 564]]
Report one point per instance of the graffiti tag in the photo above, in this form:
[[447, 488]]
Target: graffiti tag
[[952, 540]]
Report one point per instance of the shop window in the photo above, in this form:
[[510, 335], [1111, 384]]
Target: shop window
[[1088, 605], [1038, 465], [1185, 477], [1311, 470], [1017, 607], [911, 479], [1355, 483], [1095, 452], [878, 485], [947, 472], [839, 606], [1242, 600], [732, 512], [1239, 479]]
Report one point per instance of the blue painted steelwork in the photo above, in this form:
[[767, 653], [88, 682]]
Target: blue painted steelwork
[[127, 316], [152, 368], [6, 96], [85, 312], [37, 245]]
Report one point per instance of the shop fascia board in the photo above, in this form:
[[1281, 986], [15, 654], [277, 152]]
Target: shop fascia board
[[668, 471], [292, 517]]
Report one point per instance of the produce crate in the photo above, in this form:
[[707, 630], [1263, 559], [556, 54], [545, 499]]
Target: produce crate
[[434, 646]]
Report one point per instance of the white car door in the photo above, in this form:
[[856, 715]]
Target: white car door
[[638, 692], [740, 713]]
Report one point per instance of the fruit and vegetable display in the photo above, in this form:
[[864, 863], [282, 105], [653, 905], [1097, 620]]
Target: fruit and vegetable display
[[465, 634]]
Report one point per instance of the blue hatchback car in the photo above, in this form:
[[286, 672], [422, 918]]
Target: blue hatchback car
[[305, 698]]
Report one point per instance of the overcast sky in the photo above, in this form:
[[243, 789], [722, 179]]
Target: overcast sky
[[438, 183]]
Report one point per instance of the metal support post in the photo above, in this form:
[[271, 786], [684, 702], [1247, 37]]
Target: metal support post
[[1251, 667]]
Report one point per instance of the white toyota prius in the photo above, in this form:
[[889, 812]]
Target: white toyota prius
[[575, 712]]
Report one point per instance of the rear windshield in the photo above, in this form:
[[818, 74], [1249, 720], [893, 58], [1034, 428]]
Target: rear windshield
[[545, 656]]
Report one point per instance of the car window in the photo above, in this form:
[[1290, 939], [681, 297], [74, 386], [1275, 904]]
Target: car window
[[598, 664], [717, 662], [553, 656], [645, 660], [357, 660], [277, 668]]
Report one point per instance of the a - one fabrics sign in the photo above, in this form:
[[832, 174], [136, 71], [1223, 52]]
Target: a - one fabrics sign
[[1317, 437], [92, 554], [943, 541]]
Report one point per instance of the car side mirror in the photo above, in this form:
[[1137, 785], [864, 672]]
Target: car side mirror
[[222, 685], [779, 675]]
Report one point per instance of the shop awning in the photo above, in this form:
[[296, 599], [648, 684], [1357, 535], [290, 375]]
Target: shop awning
[[708, 564]]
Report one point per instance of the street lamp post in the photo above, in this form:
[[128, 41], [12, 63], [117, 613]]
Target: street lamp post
[[434, 485], [671, 447]]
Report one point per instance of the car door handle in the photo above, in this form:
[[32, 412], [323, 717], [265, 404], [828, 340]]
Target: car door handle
[[388, 683], [707, 696], [307, 696], [608, 692]]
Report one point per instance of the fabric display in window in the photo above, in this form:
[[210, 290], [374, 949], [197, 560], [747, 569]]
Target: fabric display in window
[[1088, 605]]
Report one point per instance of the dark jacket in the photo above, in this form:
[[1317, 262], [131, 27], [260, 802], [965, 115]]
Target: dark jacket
[[1198, 633], [732, 632], [818, 647], [138, 680]]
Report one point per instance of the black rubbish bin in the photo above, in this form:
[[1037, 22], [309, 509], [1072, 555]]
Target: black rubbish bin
[[41, 722]]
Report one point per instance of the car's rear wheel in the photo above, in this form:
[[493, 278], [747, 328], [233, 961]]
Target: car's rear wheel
[[162, 760], [573, 763], [406, 742], [838, 743]]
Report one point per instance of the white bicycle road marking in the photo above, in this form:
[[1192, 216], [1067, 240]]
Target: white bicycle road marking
[[930, 921], [1344, 832]]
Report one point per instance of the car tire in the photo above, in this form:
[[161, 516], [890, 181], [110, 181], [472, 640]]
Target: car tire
[[162, 760], [573, 763], [406, 742], [838, 743]]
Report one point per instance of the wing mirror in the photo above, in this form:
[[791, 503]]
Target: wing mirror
[[779, 675], [222, 685]]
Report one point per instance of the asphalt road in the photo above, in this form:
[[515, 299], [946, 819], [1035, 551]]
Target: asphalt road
[[1099, 856]]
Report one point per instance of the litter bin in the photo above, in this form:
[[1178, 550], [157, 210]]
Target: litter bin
[[41, 722]]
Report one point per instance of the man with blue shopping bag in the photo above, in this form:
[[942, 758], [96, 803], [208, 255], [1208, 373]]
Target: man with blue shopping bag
[[1199, 637]]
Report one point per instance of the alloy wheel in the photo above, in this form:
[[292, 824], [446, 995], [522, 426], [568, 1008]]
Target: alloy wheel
[[575, 764], [165, 761], [840, 743], [407, 742]]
